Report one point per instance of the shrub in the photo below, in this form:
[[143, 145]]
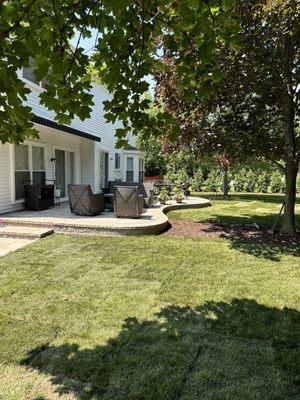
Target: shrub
[[244, 181], [276, 183], [298, 184], [214, 181], [262, 182], [198, 180], [182, 176], [250, 181], [176, 177], [170, 176]]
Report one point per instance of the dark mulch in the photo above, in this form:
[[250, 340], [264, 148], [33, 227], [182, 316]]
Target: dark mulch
[[236, 232]]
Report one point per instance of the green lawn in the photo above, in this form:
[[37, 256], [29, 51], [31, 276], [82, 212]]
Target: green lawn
[[95, 318], [244, 208]]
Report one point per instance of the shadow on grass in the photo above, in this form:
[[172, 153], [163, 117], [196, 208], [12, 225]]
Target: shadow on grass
[[261, 197], [257, 242], [266, 220], [236, 350]]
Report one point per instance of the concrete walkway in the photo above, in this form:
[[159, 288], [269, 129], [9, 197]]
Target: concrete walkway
[[11, 244]]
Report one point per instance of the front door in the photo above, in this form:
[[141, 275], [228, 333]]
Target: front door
[[64, 170]]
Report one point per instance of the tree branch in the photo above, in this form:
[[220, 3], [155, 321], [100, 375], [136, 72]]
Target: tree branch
[[19, 20]]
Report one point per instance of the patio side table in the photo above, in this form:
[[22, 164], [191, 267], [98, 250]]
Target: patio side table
[[109, 200]]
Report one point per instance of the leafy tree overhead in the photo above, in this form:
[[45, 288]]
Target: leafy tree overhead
[[128, 47], [254, 107], [155, 157]]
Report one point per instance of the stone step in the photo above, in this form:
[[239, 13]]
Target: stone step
[[19, 231]]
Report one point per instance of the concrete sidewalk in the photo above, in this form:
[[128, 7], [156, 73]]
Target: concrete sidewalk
[[12, 244]]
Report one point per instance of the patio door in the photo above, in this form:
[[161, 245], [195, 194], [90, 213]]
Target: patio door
[[104, 168], [64, 170]]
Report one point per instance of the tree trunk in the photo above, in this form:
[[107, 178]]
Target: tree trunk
[[291, 151], [289, 224], [225, 182], [291, 166]]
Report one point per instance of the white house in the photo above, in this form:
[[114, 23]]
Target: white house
[[83, 152]]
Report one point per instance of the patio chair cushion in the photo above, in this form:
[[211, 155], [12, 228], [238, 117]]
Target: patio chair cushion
[[84, 202], [145, 189], [128, 203]]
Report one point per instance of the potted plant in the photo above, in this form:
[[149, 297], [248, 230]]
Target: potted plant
[[163, 196], [178, 195]]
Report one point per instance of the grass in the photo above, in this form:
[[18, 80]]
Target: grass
[[160, 318], [239, 208]]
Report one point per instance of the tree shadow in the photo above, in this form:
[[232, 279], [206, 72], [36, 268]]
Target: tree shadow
[[257, 242], [247, 197], [235, 350]]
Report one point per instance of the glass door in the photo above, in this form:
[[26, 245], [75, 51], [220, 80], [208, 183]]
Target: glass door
[[64, 170], [104, 169]]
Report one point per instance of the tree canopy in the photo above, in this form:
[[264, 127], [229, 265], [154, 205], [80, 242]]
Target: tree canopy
[[132, 37], [253, 107]]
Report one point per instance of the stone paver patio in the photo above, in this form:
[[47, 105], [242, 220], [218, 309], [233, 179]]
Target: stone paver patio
[[153, 221]]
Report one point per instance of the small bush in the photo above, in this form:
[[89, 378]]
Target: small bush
[[244, 181], [214, 181], [262, 182], [298, 184], [250, 181], [197, 183], [176, 177], [276, 183], [182, 176], [170, 176]]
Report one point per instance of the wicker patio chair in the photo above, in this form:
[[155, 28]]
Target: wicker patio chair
[[128, 203], [84, 202], [145, 189], [38, 195]]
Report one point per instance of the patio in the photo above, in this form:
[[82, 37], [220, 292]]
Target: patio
[[153, 220]]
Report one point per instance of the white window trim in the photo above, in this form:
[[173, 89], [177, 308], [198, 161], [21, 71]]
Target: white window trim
[[129, 170], [70, 150], [142, 159], [13, 180], [32, 85], [119, 154]]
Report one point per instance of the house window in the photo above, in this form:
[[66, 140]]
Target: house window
[[28, 73], [29, 166], [22, 171], [102, 168], [141, 169], [117, 160], [38, 164], [129, 169]]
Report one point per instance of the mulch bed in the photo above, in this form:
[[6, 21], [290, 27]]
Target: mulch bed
[[236, 232]]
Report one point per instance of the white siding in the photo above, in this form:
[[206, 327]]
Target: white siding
[[88, 163], [51, 139], [94, 125], [54, 139], [6, 178], [87, 152]]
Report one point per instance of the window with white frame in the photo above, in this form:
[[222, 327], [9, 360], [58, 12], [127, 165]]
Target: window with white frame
[[22, 171], [117, 160], [102, 168], [141, 169], [129, 169], [38, 164], [28, 74], [29, 166]]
